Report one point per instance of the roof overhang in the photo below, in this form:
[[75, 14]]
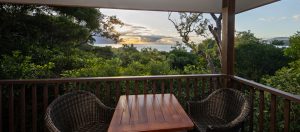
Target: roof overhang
[[204, 6]]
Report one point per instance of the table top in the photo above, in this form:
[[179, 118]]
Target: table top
[[149, 112]]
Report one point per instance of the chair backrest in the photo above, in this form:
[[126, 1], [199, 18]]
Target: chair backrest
[[227, 104], [69, 111]]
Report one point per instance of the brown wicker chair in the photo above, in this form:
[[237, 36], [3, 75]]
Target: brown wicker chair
[[224, 110], [78, 111]]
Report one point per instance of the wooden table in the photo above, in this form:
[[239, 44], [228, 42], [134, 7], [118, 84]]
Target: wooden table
[[149, 112]]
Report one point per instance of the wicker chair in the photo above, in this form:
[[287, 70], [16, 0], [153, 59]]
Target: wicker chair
[[78, 111], [224, 110]]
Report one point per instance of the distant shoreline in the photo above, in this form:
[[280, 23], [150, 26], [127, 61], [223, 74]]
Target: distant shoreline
[[159, 47]]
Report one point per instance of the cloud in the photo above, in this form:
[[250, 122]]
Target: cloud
[[271, 19], [282, 18], [129, 29], [268, 19], [296, 17], [148, 39], [136, 34]]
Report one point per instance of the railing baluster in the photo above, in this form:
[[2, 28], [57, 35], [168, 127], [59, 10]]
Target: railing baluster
[[187, 88], [117, 86], [179, 88], [252, 92], [287, 107], [77, 85], [273, 113], [203, 88], [153, 86], [107, 89], [211, 87], [23, 114], [162, 86], [97, 90], [45, 101], [261, 110], [196, 88], [56, 90], [145, 86], [171, 86], [127, 87], [45, 97], [218, 84], [136, 87], [0, 108], [11, 108], [34, 109]]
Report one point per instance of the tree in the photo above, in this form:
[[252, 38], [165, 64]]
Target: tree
[[25, 25], [246, 37], [195, 23], [294, 50], [18, 66], [179, 57], [52, 34], [255, 59], [288, 78]]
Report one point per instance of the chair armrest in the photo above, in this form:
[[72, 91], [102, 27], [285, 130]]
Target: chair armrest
[[196, 107], [106, 112], [234, 124]]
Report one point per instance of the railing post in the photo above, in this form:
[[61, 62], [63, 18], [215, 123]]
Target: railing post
[[187, 89], [136, 87], [127, 87], [227, 52], [23, 113], [196, 89], [145, 86], [11, 108], [0, 107], [273, 113], [252, 92], [34, 109], [171, 85], [117, 86], [261, 110], [287, 107], [162, 86]]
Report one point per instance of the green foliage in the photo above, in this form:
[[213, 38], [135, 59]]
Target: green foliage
[[104, 52], [294, 50], [18, 66], [95, 67], [25, 25], [55, 35], [255, 59], [159, 68], [288, 79], [179, 57], [245, 37]]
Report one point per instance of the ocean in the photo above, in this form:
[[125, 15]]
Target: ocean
[[159, 47]]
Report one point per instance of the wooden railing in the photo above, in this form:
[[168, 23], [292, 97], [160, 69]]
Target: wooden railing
[[23, 102], [262, 96]]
